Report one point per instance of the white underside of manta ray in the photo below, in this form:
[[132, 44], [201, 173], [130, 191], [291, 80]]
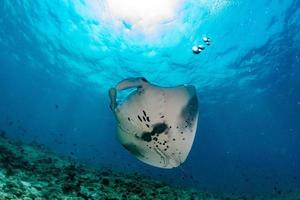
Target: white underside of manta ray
[[156, 124]]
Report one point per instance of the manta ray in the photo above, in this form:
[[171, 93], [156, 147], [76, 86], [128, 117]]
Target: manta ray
[[156, 124]]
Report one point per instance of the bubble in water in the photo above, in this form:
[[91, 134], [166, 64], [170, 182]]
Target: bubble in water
[[206, 39], [201, 47], [195, 49], [198, 48]]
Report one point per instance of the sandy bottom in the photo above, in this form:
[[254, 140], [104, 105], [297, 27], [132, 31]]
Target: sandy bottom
[[31, 172]]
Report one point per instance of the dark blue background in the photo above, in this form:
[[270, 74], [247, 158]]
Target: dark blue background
[[58, 59]]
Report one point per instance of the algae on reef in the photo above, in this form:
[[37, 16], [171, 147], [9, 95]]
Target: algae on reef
[[31, 172]]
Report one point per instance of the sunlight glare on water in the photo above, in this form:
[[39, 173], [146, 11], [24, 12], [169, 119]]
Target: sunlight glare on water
[[142, 13], [58, 60], [152, 17]]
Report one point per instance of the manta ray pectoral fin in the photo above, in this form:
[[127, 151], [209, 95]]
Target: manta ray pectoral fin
[[131, 83], [113, 98], [138, 82]]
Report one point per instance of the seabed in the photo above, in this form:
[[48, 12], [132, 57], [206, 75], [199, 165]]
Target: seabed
[[31, 172]]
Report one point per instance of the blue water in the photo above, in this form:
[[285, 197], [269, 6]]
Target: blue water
[[59, 58]]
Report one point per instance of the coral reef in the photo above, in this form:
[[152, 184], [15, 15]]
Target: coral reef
[[31, 172]]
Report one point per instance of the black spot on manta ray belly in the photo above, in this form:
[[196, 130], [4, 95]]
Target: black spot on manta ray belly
[[146, 136], [190, 111], [144, 118], [157, 129], [140, 118]]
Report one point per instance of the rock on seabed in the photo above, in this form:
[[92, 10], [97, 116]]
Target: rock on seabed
[[29, 172]]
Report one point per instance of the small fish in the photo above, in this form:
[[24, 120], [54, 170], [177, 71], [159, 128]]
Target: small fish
[[2, 133]]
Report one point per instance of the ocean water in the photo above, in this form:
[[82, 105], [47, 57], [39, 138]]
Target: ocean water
[[58, 58]]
